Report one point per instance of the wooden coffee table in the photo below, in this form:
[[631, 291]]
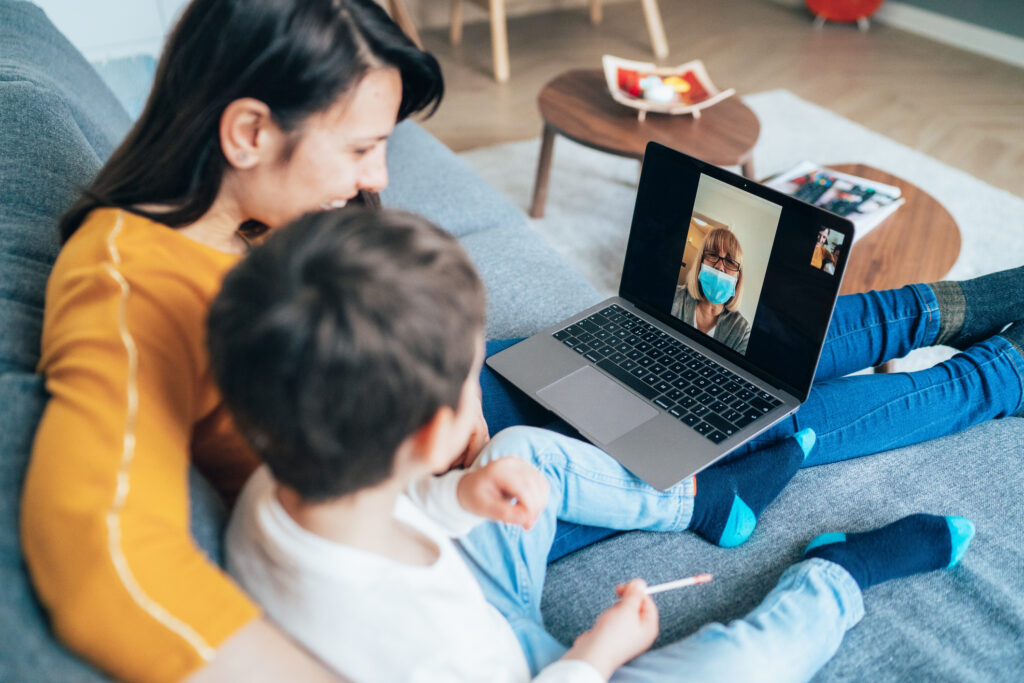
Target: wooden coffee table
[[919, 242], [577, 104]]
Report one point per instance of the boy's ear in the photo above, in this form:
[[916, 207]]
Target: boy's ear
[[428, 444]]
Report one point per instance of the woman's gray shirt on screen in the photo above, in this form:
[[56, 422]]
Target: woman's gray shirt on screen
[[732, 329]]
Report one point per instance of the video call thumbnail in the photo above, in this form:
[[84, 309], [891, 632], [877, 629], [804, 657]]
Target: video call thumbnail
[[827, 250]]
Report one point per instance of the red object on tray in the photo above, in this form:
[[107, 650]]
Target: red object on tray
[[697, 91], [629, 81], [843, 10]]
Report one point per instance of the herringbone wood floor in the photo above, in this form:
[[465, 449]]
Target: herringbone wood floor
[[965, 110]]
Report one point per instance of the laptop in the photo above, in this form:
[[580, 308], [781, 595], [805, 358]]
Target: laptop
[[652, 376]]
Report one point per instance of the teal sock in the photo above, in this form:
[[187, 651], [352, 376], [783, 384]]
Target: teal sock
[[914, 544], [730, 497]]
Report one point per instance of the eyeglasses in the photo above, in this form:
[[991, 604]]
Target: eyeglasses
[[731, 266]]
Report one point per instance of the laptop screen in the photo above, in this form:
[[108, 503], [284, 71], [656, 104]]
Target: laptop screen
[[751, 273]]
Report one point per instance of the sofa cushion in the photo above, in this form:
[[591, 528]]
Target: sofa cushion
[[529, 286], [428, 178], [957, 625], [56, 124], [46, 161], [35, 51]]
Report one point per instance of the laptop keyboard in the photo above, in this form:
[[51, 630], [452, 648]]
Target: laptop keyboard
[[696, 390]]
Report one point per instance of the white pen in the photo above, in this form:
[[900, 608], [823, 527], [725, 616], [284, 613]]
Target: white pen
[[681, 583]]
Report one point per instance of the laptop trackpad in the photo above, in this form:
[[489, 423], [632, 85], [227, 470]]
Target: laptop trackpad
[[596, 405]]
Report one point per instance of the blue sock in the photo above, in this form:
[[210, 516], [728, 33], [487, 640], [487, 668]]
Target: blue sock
[[914, 544], [730, 497], [973, 310]]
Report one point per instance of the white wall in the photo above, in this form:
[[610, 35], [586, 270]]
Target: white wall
[[993, 28], [105, 29]]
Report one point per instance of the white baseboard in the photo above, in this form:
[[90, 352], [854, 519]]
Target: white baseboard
[[942, 29], [961, 34]]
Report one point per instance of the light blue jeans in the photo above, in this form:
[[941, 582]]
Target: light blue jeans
[[858, 415], [794, 631]]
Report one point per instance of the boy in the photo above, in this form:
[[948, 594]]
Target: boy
[[348, 347]]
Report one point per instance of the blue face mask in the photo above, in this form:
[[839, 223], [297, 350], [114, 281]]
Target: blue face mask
[[718, 287]]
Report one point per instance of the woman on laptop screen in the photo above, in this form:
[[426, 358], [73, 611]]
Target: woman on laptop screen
[[710, 298]]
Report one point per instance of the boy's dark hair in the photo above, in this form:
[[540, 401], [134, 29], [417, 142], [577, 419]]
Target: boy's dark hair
[[339, 337]]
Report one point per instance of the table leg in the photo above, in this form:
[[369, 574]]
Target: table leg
[[747, 168], [540, 185], [887, 366]]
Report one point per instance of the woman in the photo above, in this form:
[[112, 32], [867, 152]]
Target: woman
[[820, 255], [710, 300], [261, 110]]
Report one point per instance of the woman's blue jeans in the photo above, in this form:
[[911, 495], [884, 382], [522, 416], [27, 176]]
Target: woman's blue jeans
[[852, 415]]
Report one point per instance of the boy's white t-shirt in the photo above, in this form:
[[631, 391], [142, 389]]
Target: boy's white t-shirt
[[372, 618]]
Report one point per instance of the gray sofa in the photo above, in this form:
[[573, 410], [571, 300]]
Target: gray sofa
[[58, 121]]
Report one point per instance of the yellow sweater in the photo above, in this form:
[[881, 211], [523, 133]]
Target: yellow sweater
[[818, 257], [105, 511]]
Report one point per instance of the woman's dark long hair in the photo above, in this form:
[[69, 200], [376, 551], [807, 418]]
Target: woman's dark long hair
[[296, 56]]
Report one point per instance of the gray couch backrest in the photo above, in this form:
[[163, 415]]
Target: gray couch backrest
[[57, 122]]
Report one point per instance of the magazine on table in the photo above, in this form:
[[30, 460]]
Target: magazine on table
[[865, 202]]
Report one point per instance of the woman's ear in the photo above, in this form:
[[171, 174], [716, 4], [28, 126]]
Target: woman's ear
[[248, 134]]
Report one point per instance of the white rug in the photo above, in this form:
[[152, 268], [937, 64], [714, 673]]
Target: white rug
[[590, 199]]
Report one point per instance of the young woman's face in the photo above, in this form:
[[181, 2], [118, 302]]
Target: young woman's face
[[339, 152]]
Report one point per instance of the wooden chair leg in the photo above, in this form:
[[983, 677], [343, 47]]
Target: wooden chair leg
[[403, 17], [596, 12], [499, 41], [455, 34], [655, 28]]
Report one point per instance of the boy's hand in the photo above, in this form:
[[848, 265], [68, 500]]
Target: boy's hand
[[623, 631], [478, 438], [507, 490]]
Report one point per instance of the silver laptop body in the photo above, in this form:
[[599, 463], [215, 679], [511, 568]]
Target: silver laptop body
[[659, 396]]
